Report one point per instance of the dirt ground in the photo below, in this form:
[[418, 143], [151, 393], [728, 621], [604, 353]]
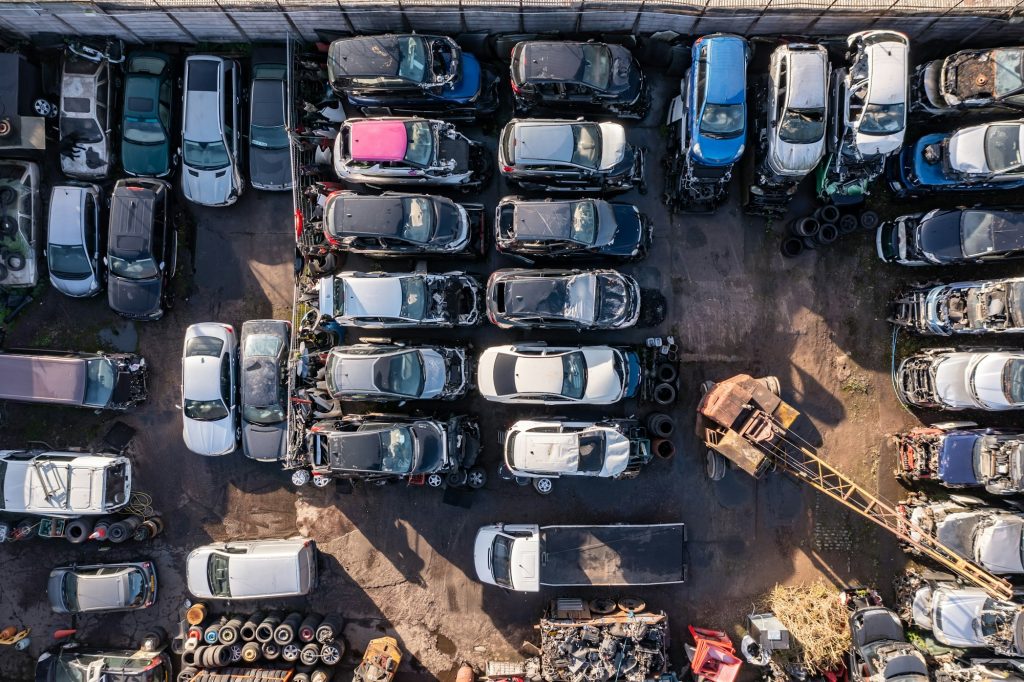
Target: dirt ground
[[398, 559]]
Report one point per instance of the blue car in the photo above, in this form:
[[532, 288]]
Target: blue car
[[716, 102], [983, 157]]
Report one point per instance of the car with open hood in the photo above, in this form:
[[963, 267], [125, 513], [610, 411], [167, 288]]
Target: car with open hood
[[405, 74], [985, 157], [211, 131], [971, 80], [381, 300], [568, 77], [86, 117], [64, 484], [382, 448], [961, 455], [270, 164], [395, 224], [142, 248], [396, 372], [562, 299], [102, 588], [879, 648], [209, 389], [409, 151], [555, 155], [952, 236], [571, 228], [983, 307], [252, 569], [73, 240], [149, 85], [263, 383], [946, 379], [535, 373], [991, 538]]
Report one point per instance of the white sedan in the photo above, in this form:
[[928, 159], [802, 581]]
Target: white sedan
[[208, 389], [539, 374]]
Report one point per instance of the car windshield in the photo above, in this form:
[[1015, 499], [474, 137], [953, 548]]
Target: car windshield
[[400, 374], [397, 450], [205, 410], [1013, 381], [69, 591], [268, 137], [217, 575], [1002, 147], [1009, 79], [83, 130], [419, 149], [113, 485], [68, 262], [260, 345], [419, 219], [205, 155], [802, 126], [882, 119], [136, 594], [266, 414], [976, 232], [586, 145], [99, 382], [722, 121], [597, 65], [142, 268], [414, 298], [584, 222], [141, 131], [574, 375], [412, 60], [501, 560]]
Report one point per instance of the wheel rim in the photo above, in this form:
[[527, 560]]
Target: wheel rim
[[476, 479], [543, 485], [321, 481], [42, 107], [434, 480]]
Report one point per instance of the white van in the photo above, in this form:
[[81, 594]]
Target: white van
[[253, 569]]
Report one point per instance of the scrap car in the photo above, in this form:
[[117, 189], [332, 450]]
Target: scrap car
[[951, 236], [263, 388], [946, 379], [981, 307], [971, 80], [380, 300], [396, 372], [64, 484], [20, 224], [87, 115], [879, 648], [149, 88], [73, 240], [962, 455], [270, 166]]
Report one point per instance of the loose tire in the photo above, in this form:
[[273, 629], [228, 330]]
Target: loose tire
[[77, 531], [544, 486], [664, 394], [660, 425], [666, 372], [715, 465], [791, 247], [847, 223], [602, 606], [663, 448], [869, 220], [476, 478], [632, 604], [435, 480]]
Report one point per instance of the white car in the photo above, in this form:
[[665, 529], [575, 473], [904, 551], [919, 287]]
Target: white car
[[876, 90], [379, 300], [64, 484], [210, 134], [254, 569], [539, 374], [72, 240], [951, 380], [797, 108], [209, 386]]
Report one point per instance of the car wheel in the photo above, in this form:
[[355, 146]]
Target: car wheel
[[435, 480], [543, 485], [476, 478], [715, 465], [321, 481], [631, 604], [602, 606], [456, 478], [300, 477]]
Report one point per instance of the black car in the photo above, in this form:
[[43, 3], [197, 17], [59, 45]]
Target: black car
[[270, 165], [971, 79], [562, 299], [395, 224], [142, 248], [408, 74], [264, 388], [948, 236], [581, 228], [570, 77], [381, 448]]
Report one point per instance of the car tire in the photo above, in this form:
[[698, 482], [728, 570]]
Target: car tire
[[869, 220], [847, 223], [664, 394], [715, 465], [435, 480], [666, 372], [631, 604], [602, 606], [77, 531], [544, 486], [187, 674], [476, 478], [791, 247], [321, 481], [456, 478], [660, 425]]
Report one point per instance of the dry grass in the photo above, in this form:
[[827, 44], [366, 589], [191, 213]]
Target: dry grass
[[817, 623]]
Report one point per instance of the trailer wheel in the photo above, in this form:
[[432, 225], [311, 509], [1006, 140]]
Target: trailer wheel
[[715, 465], [543, 485], [435, 480], [602, 605], [631, 604], [476, 478]]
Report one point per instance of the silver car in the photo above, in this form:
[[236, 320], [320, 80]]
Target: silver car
[[102, 587], [86, 98], [210, 134], [72, 240], [255, 569], [395, 372]]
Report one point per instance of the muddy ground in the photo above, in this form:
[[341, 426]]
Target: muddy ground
[[398, 559]]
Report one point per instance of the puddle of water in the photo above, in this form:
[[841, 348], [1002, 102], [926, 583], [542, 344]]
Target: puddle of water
[[122, 336], [445, 645]]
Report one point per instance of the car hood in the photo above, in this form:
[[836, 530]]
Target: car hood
[[603, 382], [879, 145], [954, 613], [270, 168], [209, 188], [613, 144], [998, 546], [435, 373], [264, 441], [210, 438], [967, 150], [795, 159], [951, 380], [988, 380], [145, 159], [75, 287], [134, 297], [195, 573]]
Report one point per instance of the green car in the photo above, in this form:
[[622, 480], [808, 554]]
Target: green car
[[146, 123]]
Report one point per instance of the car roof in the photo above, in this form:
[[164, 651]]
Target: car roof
[[378, 216], [48, 377], [67, 204], [357, 450], [552, 60], [807, 68], [366, 55], [527, 294], [373, 296], [261, 374], [377, 140], [544, 141], [727, 56], [888, 77], [267, 102], [202, 98], [102, 591], [544, 219], [131, 221]]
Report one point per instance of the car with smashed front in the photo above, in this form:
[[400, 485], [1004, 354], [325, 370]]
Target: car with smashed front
[[211, 131], [409, 151], [209, 389], [380, 300], [263, 388], [571, 228], [962, 455], [149, 84], [20, 224], [946, 379], [568, 77], [535, 373], [73, 240], [554, 155], [981, 307], [383, 448], [562, 299], [971, 80], [395, 224], [76, 663], [270, 165], [86, 116], [985, 157], [540, 451], [407, 74], [102, 588], [952, 236], [396, 372]]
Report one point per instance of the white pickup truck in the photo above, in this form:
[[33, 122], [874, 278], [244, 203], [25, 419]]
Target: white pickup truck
[[64, 484], [527, 557]]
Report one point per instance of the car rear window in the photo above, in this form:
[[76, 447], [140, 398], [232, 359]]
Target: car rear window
[[204, 345], [202, 75], [77, 105], [139, 104]]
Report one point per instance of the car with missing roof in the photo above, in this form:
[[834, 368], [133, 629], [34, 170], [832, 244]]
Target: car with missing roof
[[149, 85], [951, 236], [142, 248], [395, 224], [557, 155], [263, 388], [64, 484], [86, 117], [211, 131], [409, 151], [406, 74], [102, 588], [396, 372], [533, 372], [380, 300], [946, 379], [562, 76], [971, 80], [562, 299], [73, 240], [571, 228], [252, 569], [270, 165], [74, 662], [20, 224], [962, 455], [994, 306], [209, 389]]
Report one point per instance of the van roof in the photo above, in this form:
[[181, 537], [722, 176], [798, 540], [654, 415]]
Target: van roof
[[42, 378]]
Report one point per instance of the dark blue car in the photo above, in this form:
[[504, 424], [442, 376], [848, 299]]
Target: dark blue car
[[955, 455], [408, 74], [716, 101]]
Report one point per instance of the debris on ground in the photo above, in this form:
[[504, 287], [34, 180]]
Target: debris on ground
[[817, 624]]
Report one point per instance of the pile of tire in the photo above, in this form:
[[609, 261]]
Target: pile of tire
[[306, 645], [824, 227], [114, 529]]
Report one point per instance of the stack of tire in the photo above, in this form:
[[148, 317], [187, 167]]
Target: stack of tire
[[115, 529], [824, 227], [660, 427], [308, 645]]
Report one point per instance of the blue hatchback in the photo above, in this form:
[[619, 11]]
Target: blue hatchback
[[716, 101]]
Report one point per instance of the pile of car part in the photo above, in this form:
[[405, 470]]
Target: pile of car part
[[306, 644], [661, 367], [824, 227], [114, 529]]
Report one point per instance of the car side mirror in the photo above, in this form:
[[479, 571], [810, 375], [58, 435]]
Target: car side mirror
[[162, 264], [105, 260]]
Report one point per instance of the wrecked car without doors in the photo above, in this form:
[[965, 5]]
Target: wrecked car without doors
[[379, 300], [983, 307], [971, 80], [946, 379], [960, 455]]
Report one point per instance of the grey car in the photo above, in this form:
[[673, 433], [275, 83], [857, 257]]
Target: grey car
[[269, 158], [264, 351], [102, 587]]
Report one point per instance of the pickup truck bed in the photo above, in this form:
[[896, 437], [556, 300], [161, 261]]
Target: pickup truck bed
[[640, 554]]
